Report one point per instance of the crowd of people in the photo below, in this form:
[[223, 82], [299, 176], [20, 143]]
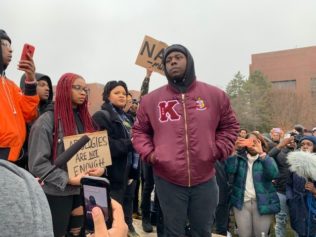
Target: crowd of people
[[181, 144], [270, 178]]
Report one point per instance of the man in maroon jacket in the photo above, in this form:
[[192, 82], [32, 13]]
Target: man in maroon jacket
[[181, 129]]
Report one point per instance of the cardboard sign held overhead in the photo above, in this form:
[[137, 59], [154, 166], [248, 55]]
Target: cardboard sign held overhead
[[150, 54], [95, 153]]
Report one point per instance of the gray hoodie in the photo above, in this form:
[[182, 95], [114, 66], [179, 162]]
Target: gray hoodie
[[24, 210]]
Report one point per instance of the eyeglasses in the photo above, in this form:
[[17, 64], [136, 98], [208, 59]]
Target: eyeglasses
[[5, 44], [80, 88]]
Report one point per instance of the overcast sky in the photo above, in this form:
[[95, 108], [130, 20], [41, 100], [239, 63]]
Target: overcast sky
[[100, 39]]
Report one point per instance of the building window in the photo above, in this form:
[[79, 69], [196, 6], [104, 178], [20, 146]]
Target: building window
[[289, 84], [313, 87]]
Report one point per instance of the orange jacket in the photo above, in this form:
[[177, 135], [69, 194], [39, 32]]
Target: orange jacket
[[16, 110]]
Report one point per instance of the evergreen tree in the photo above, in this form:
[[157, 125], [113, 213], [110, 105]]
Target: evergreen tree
[[234, 87], [251, 99]]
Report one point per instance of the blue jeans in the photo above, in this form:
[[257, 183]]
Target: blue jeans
[[281, 218]]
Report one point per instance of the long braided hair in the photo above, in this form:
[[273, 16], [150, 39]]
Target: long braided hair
[[63, 111]]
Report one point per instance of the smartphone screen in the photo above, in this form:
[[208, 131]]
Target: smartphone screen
[[95, 194]]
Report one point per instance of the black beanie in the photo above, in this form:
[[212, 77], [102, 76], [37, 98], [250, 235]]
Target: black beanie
[[110, 86], [4, 36], [309, 138], [172, 48]]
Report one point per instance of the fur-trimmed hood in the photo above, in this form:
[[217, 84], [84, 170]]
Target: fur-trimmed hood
[[303, 164]]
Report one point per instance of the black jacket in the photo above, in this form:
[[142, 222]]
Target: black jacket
[[279, 156], [120, 144]]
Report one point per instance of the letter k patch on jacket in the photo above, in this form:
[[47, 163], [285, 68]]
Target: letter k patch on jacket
[[167, 111]]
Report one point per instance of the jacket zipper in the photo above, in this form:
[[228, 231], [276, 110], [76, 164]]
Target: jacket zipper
[[186, 137], [8, 95]]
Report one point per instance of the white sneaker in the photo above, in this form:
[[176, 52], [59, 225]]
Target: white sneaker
[[229, 234]]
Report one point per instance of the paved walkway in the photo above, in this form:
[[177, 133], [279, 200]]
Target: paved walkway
[[138, 227]]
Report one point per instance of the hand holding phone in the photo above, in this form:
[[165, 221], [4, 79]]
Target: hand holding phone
[[119, 228], [242, 142], [95, 192], [26, 63], [287, 135]]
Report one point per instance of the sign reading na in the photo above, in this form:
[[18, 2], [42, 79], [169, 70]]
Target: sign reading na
[[150, 54], [95, 153]]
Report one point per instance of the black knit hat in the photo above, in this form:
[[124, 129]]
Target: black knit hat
[[110, 86], [4, 36], [172, 48], [309, 138]]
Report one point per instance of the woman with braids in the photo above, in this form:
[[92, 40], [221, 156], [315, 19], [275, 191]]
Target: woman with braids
[[70, 117]]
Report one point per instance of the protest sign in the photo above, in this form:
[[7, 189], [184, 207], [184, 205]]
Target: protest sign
[[151, 53], [95, 153]]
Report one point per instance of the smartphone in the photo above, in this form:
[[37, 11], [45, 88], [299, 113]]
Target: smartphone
[[246, 142], [96, 193], [27, 49]]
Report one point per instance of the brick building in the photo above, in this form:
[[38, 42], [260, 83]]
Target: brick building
[[95, 96], [293, 69]]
